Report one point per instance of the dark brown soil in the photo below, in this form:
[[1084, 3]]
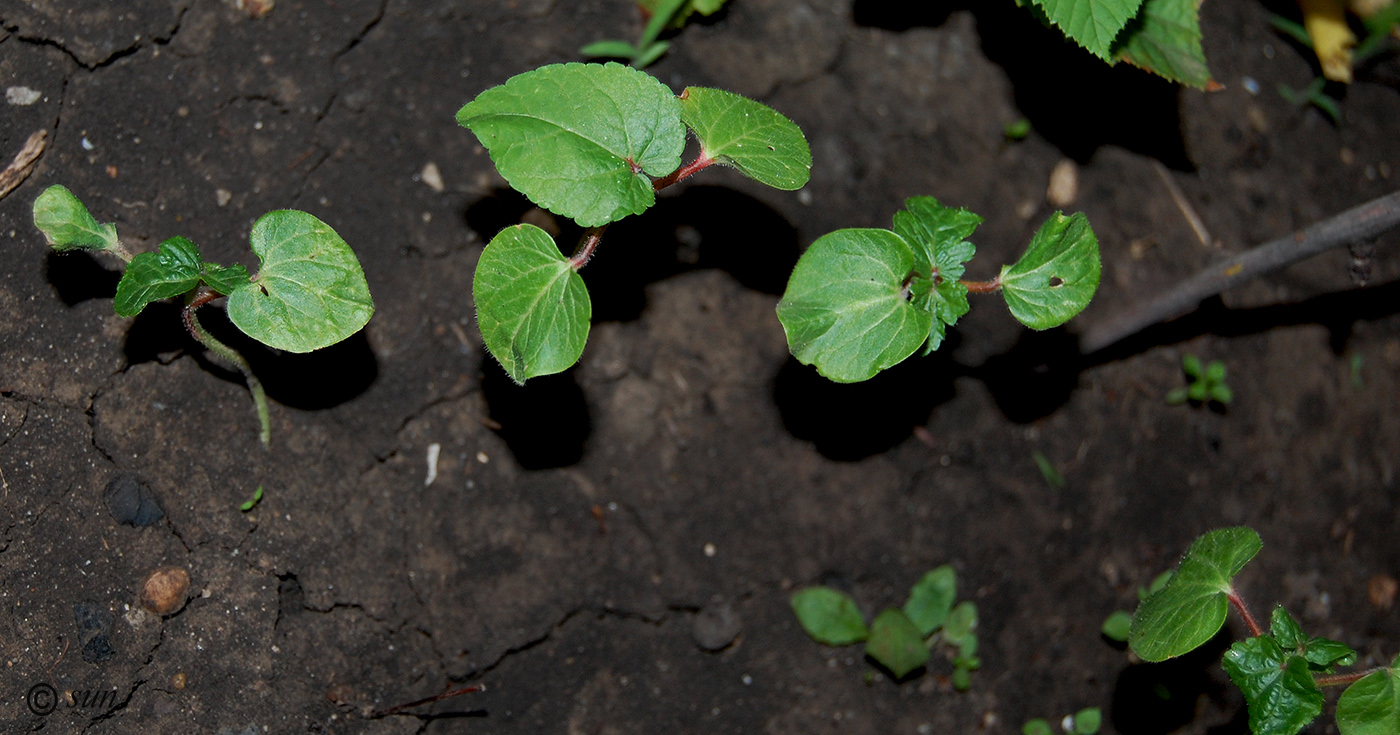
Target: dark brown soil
[[688, 466]]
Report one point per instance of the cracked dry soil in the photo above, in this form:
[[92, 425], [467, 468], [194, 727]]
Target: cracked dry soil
[[688, 471]]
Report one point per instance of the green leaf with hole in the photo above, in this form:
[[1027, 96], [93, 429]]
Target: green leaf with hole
[[581, 139], [1278, 686], [1093, 24], [846, 308], [1057, 276], [1165, 39], [750, 136], [532, 307], [309, 292], [896, 643], [1371, 706], [931, 599], [1191, 606], [68, 225], [172, 270], [941, 234], [829, 616], [224, 280]]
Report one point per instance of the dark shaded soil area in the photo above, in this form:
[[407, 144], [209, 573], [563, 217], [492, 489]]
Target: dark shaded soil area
[[580, 528]]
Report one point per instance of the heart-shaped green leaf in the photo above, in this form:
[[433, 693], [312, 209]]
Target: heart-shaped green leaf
[[1371, 706], [172, 270], [310, 291], [940, 232], [750, 136], [846, 308], [1191, 606], [931, 599], [1057, 276], [68, 225], [577, 139], [829, 616], [531, 306], [1277, 685], [895, 643]]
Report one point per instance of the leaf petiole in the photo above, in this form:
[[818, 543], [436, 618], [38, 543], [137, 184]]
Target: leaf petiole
[[991, 286], [202, 296]]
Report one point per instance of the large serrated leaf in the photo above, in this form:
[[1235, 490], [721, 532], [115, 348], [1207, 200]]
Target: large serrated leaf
[[577, 139], [1092, 24], [829, 616], [1165, 39], [1057, 276], [68, 225], [751, 136], [845, 309], [170, 271], [1277, 685], [940, 232], [1191, 606], [310, 291], [531, 306], [1371, 706], [895, 642]]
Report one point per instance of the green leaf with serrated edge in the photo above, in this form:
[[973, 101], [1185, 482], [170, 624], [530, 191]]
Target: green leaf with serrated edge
[[961, 623], [829, 616], [1321, 653], [1277, 686], [221, 279], [932, 598], [609, 50], [1038, 726], [1191, 606], [844, 309], [1057, 276], [68, 225], [940, 232], [1093, 24], [1371, 706], [1115, 626], [895, 642], [580, 139], [1165, 39], [531, 306], [309, 292], [1088, 721], [750, 136], [170, 271]]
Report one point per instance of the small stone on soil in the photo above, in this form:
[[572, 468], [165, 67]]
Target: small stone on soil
[[165, 590], [716, 626], [131, 502], [92, 621]]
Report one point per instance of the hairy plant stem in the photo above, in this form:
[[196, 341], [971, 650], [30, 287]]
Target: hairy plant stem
[[1337, 680], [586, 246], [201, 297], [1249, 621], [991, 286], [594, 235]]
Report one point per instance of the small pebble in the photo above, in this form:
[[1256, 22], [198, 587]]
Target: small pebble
[[22, 96], [222, 197], [164, 592], [1063, 189], [179, 680], [716, 626], [432, 177], [1381, 591]]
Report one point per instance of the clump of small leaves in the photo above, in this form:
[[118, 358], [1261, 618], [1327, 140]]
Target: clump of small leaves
[[1282, 670], [1084, 722], [661, 16], [1160, 36], [899, 639], [1204, 383], [309, 293]]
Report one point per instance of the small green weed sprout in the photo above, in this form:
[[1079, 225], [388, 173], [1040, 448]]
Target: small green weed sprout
[[661, 16], [1084, 722], [309, 294], [1282, 670], [1205, 383], [899, 639]]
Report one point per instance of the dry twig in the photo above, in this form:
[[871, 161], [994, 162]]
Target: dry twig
[[23, 165]]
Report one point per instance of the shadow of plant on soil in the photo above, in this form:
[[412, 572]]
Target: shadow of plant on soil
[[1158, 698], [77, 276], [546, 422], [1102, 105]]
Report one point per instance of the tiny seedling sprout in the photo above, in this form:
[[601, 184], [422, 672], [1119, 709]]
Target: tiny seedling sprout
[[1205, 383]]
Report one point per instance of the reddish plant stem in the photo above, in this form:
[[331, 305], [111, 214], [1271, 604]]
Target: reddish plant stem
[[991, 286], [700, 163], [587, 246], [1335, 680], [429, 700], [1249, 621]]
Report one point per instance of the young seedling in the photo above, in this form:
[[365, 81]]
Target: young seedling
[[310, 292], [1204, 384], [661, 16], [1116, 626], [1084, 722], [899, 639], [1282, 670]]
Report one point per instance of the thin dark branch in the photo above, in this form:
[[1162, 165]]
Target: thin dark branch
[[1356, 224]]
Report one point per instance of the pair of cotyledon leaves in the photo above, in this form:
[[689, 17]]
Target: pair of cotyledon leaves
[[310, 292], [1274, 670], [585, 141]]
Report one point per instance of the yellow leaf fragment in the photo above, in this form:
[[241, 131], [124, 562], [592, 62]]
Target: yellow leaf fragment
[[1326, 23]]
